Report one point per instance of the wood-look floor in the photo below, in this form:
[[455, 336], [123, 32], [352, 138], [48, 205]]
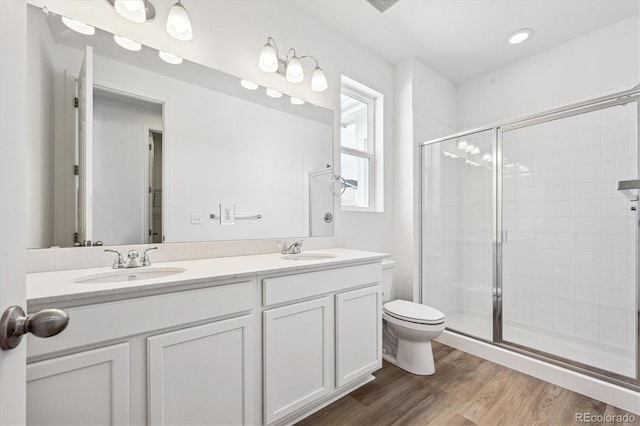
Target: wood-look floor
[[465, 390]]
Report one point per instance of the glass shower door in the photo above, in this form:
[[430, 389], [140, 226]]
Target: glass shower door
[[569, 237], [456, 224]]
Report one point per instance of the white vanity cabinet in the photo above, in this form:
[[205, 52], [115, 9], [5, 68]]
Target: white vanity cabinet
[[175, 358], [323, 333]]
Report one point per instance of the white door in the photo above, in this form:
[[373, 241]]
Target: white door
[[13, 24], [85, 147]]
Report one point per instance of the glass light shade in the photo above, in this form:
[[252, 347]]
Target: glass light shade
[[297, 101], [318, 80], [268, 59], [133, 10], [248, 84], [170, 58], [179, 24], [295, 74], [127, 43], [274, 93], [78, 26], [475, 151], [469, 148], [487, 157], [462, 145]]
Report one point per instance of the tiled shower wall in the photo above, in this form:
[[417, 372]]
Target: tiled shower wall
[[570, 255]]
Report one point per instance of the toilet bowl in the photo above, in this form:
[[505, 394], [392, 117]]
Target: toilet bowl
[[408, 329]]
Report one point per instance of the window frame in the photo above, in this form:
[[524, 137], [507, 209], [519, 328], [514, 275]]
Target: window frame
[[370, 153]]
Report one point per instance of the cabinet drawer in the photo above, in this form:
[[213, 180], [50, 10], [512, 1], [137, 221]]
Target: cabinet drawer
[[300, 286], [107, 321]]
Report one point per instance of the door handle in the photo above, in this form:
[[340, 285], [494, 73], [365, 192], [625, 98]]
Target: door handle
[[15, 323]]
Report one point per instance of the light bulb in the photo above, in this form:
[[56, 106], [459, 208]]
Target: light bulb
[[297, 101], [127, 43], [170, 58], [268, 59], [462, 145], [295, 74], [179, 24], [133, 10], [274, 93], [318, 80], [248, 84], [78, 26]]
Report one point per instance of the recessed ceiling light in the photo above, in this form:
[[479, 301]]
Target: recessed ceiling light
[[170, 58], [520, 36], [274, 93], [297, 101], [127, 43], [78, 26], [248, 84]]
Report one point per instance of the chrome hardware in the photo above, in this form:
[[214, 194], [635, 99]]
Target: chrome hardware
[[254, 216], [119, 262], [343, 184], [294, 248], [145, 257], [133, 260], [14, 324], [328, 217]]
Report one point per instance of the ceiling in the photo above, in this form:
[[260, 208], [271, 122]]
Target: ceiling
[[462, 39]]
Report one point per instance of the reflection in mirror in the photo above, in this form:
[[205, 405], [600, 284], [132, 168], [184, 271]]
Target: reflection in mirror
[[155, 152]]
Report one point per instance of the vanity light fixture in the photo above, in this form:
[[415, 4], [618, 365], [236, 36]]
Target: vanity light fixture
[[178, 23], [79, 27], [462, 145], [291, 66], [127, 43], [274, 93], [250, 85], [134, 10], [297, 101], [475, 150], [170, 58], [519, 36], [469, 148]]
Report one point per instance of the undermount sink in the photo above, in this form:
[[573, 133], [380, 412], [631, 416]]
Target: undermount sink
[[308, 256], [129, 274]]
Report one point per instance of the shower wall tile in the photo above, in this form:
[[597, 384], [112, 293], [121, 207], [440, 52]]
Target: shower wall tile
[[560, 194]]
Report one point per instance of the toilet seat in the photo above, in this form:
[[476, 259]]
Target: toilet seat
[[413, 312]]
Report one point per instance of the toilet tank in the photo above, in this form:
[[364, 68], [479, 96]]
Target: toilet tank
[[387, 279]]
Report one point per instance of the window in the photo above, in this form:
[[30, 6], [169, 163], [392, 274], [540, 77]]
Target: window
[[360, 166]]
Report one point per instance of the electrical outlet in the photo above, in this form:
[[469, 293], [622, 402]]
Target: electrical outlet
[[196, 219], [227, 214]]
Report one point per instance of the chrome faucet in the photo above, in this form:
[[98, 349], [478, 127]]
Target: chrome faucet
[[133, 259], [294, 248]]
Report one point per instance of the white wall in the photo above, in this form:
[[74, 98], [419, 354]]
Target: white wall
[[40, 139], [120, 164], [425, 103], [603, 61], [228, 36]]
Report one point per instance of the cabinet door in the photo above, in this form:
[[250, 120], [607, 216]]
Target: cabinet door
[[202, 375], [85, 388], [297, 356], [358, 333]]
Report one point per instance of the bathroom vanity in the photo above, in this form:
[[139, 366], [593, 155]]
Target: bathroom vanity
[[241, 340]]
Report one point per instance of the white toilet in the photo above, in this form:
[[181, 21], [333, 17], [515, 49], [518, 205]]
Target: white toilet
[[408, 329]]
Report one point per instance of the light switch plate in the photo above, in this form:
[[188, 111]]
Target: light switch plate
[[227, 214]]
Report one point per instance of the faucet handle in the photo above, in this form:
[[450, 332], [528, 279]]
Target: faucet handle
[[145, 257], [284, 248], [296, 247], [119, 262]]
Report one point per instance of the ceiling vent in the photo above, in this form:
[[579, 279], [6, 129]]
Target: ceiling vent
[[382, 5]]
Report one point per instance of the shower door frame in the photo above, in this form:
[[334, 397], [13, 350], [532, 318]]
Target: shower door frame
[[620, 98]]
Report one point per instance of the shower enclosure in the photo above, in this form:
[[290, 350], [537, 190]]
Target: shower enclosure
[[529, 235]]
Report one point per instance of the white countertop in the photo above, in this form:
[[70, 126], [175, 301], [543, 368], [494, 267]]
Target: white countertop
[[59, 287]]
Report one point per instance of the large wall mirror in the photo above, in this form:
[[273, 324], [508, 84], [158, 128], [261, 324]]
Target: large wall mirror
[[125, 148]]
